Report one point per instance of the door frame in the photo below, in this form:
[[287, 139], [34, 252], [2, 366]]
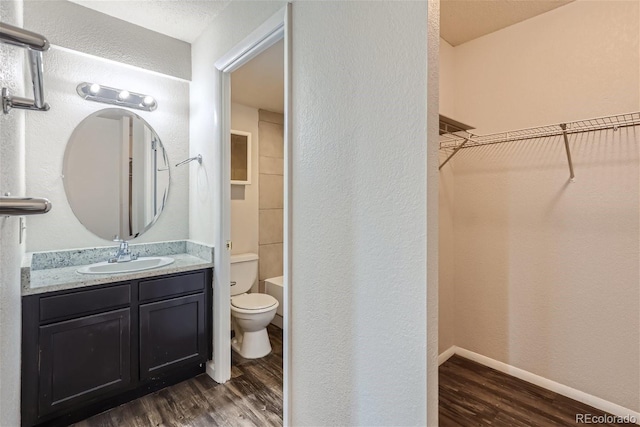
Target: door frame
[[277, 27]]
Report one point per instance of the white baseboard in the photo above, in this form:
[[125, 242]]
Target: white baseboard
[[445, 355], [562, 389], [211, 371]]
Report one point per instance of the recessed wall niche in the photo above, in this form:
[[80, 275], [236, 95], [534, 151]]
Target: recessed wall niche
[[240, 157]]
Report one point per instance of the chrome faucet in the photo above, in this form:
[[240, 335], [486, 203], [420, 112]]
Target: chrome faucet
[[123, 254]]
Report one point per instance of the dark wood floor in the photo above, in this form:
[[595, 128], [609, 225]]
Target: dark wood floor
[[470, 395], [253, 397], [474, 395]]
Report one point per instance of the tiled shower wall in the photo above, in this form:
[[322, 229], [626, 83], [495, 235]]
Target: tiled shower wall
[[271, 190]]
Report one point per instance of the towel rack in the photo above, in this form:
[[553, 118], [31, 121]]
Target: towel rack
[[463, 139], [35, 45], [197, 158], [18, 206]]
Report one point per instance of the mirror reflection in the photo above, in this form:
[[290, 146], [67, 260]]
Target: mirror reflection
[[116, 174]]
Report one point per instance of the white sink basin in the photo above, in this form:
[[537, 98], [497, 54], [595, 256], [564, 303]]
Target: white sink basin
[[140, 264]]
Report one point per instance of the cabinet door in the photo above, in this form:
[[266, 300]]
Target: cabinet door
[[83, 358], [172, 333]]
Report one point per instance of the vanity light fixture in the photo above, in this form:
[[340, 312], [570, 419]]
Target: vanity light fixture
[[148, 100], [121, 97]]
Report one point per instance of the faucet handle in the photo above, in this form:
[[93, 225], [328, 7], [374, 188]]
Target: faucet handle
[[123, 248], [123, 254]]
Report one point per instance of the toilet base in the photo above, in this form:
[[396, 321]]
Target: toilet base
[[252, 345]]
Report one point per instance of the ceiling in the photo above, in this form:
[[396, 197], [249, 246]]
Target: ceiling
[[465, 20], [460, 20], [260, 82], [181, 19]]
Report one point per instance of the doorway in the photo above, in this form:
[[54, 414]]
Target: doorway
[[508, 202], [273, 33]]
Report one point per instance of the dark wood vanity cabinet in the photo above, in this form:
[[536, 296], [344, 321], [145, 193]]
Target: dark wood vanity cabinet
[[82, 358], [171, 334], [90, 349], [172, 323]]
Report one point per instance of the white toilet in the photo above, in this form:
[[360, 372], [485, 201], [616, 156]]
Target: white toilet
[[250, 313]]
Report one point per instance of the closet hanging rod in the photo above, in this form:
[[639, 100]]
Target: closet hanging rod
[[35, 45]]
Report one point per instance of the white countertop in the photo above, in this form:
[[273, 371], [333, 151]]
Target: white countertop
[[37, 281]]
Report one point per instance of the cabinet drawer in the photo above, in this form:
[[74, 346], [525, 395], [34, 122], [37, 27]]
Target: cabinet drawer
[[171, 286], [84, 302]]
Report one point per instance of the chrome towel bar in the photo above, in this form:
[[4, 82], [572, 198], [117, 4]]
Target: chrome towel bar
[[35, 45], [197, 158], [22, 38], [18, 206]]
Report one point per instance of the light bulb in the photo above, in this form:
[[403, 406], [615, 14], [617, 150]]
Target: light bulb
[[148, 100], [94, 89], [123, 95]]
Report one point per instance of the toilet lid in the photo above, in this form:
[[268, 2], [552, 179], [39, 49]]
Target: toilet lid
[[253, 301]]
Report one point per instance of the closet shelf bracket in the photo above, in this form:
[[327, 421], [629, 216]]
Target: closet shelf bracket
[[455, 150], [572, 176]]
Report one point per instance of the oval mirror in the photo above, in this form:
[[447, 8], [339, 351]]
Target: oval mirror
[[116, 174]]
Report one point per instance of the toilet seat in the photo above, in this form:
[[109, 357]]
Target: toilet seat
[[253, 303]]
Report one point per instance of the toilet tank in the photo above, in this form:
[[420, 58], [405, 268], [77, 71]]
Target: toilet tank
[[244, 272]]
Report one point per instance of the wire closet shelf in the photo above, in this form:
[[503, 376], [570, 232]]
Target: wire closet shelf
[[453, 142]]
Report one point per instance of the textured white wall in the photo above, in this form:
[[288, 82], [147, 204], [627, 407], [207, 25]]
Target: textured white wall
[[244, 198], [237, 21], [446, 256], [359, 321], [447, 79], [11, 180], [76, 27], [47, 135], [229, 28], [359, 177], [570, 71], [446, 252], [547, 272], [433, 107]]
